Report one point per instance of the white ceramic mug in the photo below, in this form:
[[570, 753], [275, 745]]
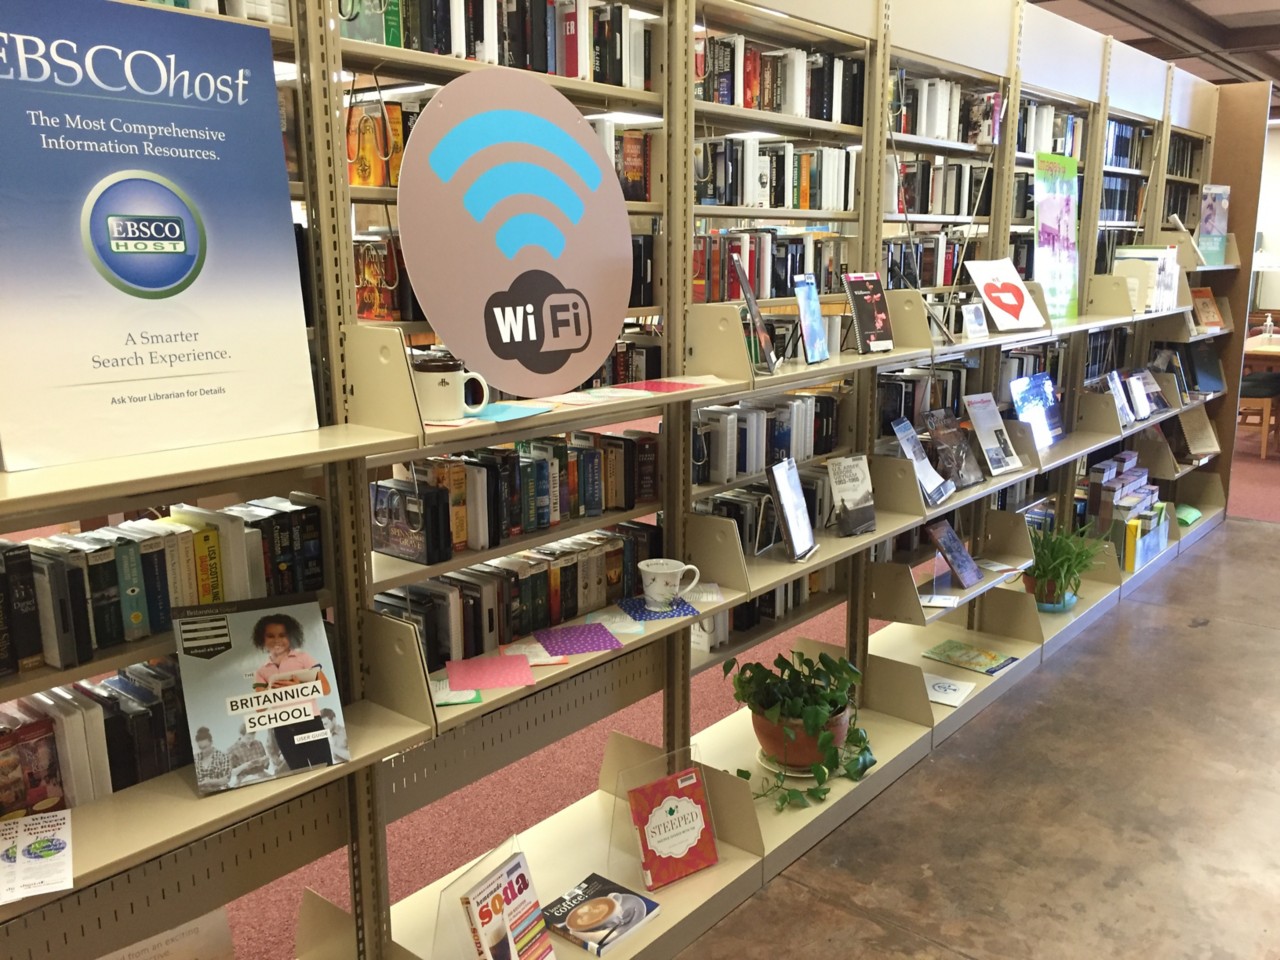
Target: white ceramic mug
[[661, 582], [440, 383]]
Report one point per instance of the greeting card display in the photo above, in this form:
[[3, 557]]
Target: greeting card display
[[1007, 298]]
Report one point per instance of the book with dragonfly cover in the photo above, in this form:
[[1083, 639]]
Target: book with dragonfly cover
[[965, 655], [258, 681]]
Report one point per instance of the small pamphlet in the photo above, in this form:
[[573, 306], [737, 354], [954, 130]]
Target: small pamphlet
[[598, 914], [505, 916], [204, 938], [35, 855], [975, 321], [536, 652], [443, 696], [939, 601], [953, 551], [969, 657], [949, 693], [1005, 295], [992, 435], [616, 621], [673, 821], [851, 496]]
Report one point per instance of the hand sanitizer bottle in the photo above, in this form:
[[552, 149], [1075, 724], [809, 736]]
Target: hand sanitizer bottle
[[1268, 328]]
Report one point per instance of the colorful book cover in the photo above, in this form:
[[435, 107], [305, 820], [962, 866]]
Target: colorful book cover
[[871, 323], [969, 657], [953, 551], [258, 680], [1205, 306], [1036, 402], [505, 916], [813, 328], [598, 914], [1057, 257], [673, 822]]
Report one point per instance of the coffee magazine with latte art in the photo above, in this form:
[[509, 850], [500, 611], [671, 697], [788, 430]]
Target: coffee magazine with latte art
[[598, 914], [504, 914], [673, 821]]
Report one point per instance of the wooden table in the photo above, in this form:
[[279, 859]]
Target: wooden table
[[1261, 353]]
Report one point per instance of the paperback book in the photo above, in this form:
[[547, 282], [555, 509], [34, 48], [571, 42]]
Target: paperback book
[[1214, 201], [813, 328], [954, 552], [871, 325], [673, 821], [791, 508], [992, 436], [1205, 307], [258, 678], [1115, 386], [599, 914], [952, 452], [759, 343], [505, 916], [851, 495], [965, 655]]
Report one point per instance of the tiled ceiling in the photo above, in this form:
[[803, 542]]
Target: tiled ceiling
[[1225, 41]]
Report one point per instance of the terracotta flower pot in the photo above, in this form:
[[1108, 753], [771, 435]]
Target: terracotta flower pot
[[803, 750]]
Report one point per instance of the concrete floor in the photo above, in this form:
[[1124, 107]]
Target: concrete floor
[[1123, 801]]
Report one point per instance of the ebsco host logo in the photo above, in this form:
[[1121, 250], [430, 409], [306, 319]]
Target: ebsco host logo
[[515, 232], [143, 234]]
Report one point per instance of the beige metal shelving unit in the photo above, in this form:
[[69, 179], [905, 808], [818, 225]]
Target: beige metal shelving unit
[[138, 851]]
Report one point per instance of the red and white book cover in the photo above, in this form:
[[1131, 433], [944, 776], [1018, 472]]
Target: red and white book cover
[[674, 824]]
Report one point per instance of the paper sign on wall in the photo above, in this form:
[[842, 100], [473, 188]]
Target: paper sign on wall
[[515, 232], [1007, 298], [149, 291]]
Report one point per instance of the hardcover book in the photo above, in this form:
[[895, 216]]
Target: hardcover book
[[851, 495], [261, 702], [992, 436], [954, 552], [1205, 306], [673, 822], [598, 914], [505, 916], [953, 455]]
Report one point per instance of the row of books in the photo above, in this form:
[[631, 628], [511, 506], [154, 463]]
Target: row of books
[[481, 608], [81, 742], [943, 110], [748, 172], [1105, 350], [743, 438], [1182, 200], [1126, 145], [636, 357], [1196, 367], [770, 606], [732, 70], [265, 11], [1184, 156], [434, 508], [568, 38], [1108, 242], [943, 188], [68, 595], [1122, 197], [1042, 128], [771, 261], [912, 391], [932, 260]]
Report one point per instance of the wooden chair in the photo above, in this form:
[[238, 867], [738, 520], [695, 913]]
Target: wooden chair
[[1260, 394]]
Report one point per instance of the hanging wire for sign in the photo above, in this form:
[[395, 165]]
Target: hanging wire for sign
[[348, 10]]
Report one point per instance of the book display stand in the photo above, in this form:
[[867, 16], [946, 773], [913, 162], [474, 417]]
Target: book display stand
[[135, 851]]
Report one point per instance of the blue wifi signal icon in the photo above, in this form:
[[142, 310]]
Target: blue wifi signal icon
[[523, 178]]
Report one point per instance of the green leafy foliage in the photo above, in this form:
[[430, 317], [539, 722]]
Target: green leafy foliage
[[1059, 557], [813, 692]]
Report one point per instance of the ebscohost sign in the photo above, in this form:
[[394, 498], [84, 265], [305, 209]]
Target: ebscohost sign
[[515, 232], [149, 290]]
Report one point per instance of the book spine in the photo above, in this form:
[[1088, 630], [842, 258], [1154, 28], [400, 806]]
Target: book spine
[[543, 517], [647, 470], [155, 579], [554, 594], [540, 588], [23, 612], [312, 548], [284, 564], [104, 588], [208, 566], [574, 458], [595, 482], [8, 656], [133, 596]]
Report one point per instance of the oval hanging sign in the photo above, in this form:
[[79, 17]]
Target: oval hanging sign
[[515, 232]]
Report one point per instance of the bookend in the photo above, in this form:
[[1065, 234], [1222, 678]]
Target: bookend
[[453, 932]]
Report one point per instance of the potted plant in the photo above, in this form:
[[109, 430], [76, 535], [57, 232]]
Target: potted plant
[[1059, 557], [806, 718]]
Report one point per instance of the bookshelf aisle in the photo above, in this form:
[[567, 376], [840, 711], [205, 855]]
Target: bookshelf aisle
[[897, 179]]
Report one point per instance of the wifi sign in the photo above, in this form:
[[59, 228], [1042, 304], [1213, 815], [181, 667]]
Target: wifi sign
[[514, 231]]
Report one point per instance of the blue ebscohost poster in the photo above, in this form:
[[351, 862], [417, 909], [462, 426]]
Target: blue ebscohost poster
[[149, 290]]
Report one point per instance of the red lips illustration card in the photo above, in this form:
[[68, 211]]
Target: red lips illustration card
[[674, 824], [1008, 301]]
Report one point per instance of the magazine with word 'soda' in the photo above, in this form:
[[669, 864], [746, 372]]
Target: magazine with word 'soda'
[[262, 701]]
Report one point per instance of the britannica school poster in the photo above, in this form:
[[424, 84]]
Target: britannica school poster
[[149, 290]]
